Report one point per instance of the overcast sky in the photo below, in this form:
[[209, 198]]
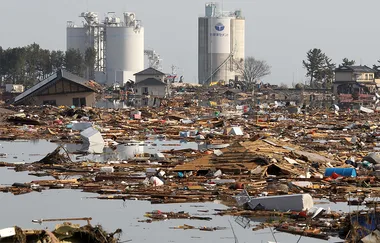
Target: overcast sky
[[278, 31]]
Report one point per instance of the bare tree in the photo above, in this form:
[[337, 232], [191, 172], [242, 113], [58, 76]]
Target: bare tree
[[252, 69]]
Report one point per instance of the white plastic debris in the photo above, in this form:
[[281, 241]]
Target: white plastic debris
[[7, 232], [107, 169], [155, 181]]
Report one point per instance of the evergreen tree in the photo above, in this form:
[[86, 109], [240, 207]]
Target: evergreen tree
[[31, 64], [32, 58], [313, 64], [89, 60], [74, 62], [57, 59], [319, 68], [347, 62]]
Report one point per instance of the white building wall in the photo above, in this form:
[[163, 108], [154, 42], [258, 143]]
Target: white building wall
[[77, 39], [155, 90], [238, 38], [124, 52]]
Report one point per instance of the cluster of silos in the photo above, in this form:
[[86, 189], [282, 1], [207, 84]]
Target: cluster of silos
[[118, 43], [221, 45]]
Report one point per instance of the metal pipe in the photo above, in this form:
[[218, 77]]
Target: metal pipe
[[40, 221]]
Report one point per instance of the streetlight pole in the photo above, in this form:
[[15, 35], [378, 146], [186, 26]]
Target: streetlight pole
[[253, 99], [114, 82]]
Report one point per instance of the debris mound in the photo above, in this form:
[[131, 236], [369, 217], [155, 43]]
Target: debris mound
[[55, 157]]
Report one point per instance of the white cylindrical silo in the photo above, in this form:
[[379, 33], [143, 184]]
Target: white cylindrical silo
[[238, 38], [124, 52], [77, 38], [220, 44], [219, 36]]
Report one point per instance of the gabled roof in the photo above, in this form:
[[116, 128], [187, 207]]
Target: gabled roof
[[359, 69], [150, 81], [150, 71], [60, 74]]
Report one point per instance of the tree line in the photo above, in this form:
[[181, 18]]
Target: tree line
[[320, 68], [30, 64]]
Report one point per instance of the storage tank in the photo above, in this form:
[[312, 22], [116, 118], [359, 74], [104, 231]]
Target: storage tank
[[219, 35], [238, 38], [77, 38], [220, 48], [220, 44], [89, 35], [124, 50]]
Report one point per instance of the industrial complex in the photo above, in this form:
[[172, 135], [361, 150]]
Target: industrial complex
[[119, 45]]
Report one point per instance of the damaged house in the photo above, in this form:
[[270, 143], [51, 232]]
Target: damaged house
[[261, 158], [60, 89], [355, 83], [150, 87]]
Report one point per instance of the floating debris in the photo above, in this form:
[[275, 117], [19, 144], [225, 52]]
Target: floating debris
[[65, 232], [202, 228]]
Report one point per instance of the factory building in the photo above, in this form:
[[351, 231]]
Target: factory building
[[221, 44]]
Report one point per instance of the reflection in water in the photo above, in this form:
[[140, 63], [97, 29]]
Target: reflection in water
[[34, 141], [31, 151], [113, 214], [96, 148], [27, 151], [129, 150]]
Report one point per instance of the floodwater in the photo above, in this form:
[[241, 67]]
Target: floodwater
[[31, 151], [112, 214], [25, 151]]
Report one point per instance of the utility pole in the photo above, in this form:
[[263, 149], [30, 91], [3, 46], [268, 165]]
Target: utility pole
[[254, 103]]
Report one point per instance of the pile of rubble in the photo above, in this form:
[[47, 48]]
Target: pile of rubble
[[271, 154], [66, 232]]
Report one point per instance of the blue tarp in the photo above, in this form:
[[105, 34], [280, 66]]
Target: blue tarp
[[367, 222], [348, 172]]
